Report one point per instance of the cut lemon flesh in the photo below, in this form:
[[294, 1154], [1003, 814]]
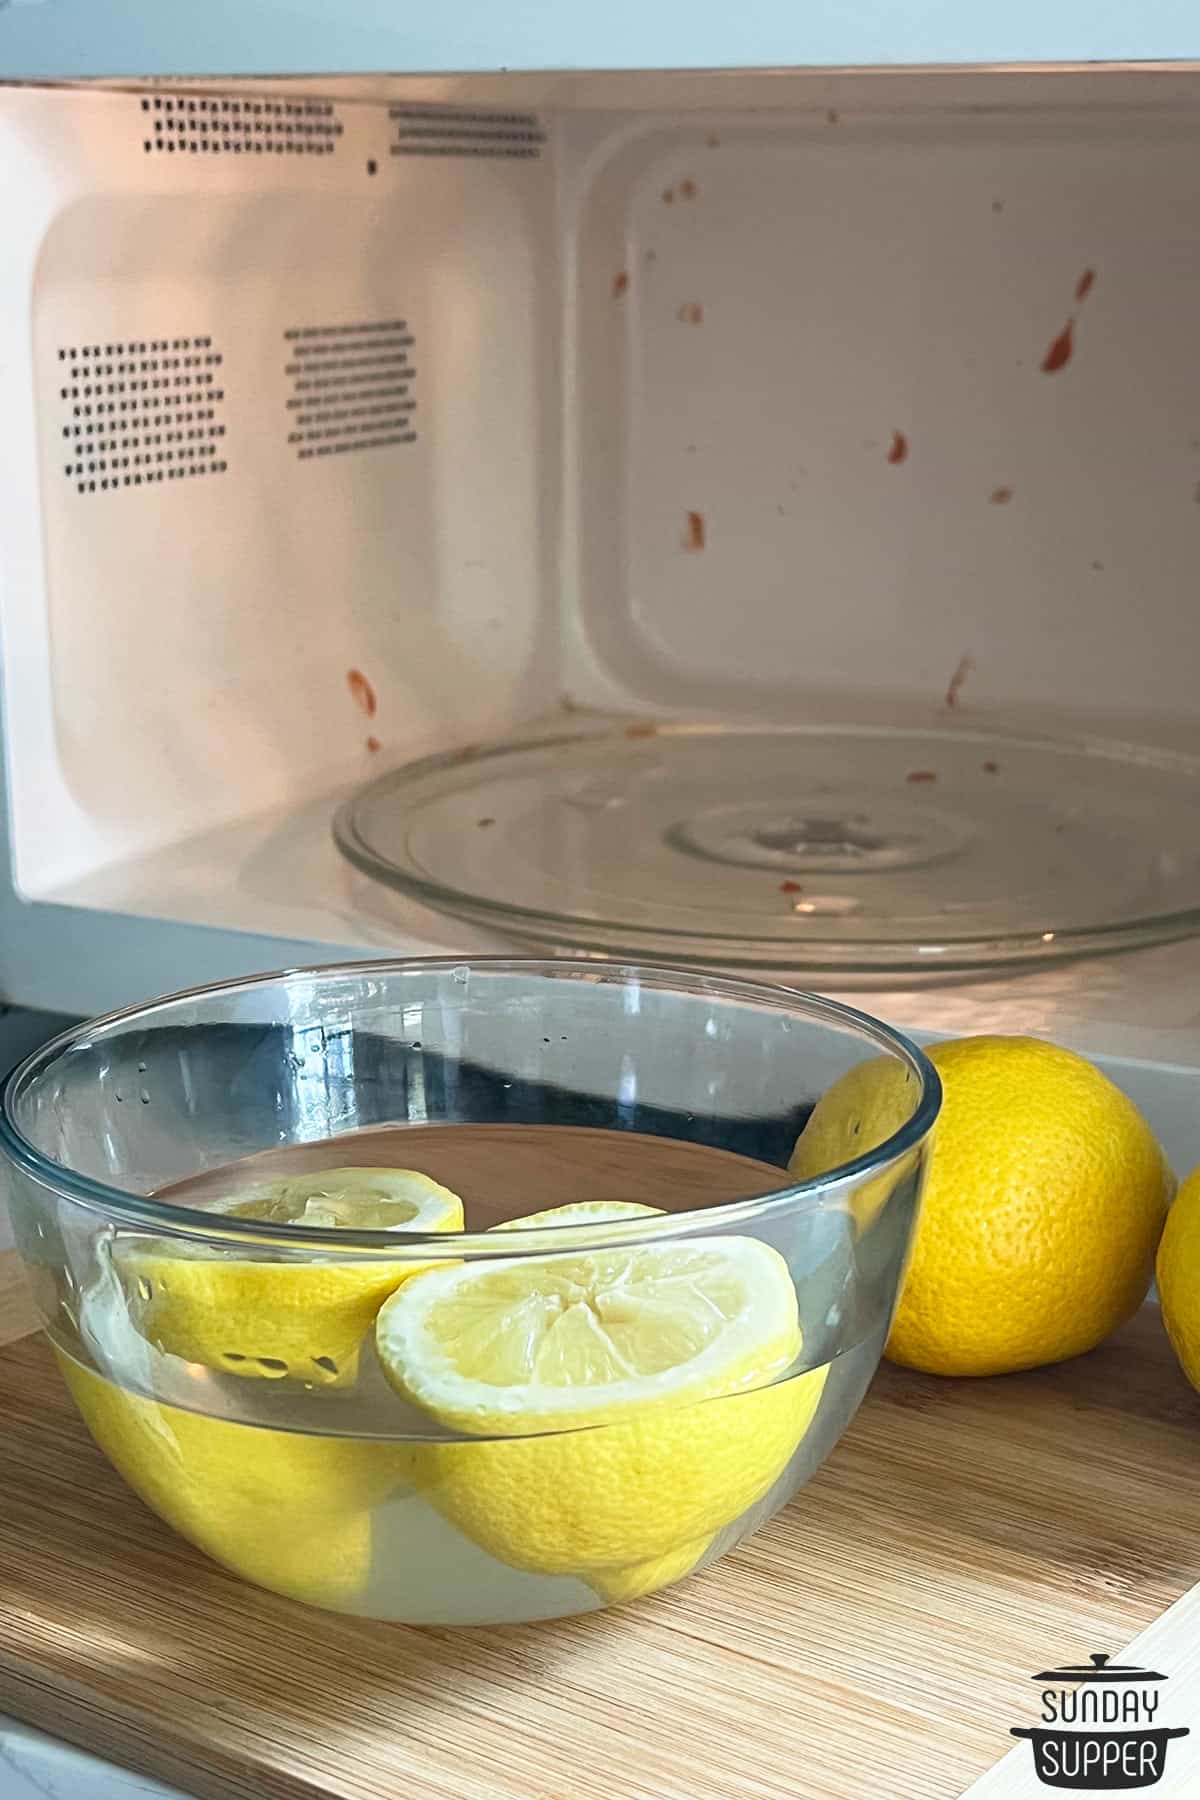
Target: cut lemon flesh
[[276, 1319], [559, 1342], [627, 1404], [581, 1212]]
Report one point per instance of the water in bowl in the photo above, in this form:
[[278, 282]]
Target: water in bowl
[[343, 1495]]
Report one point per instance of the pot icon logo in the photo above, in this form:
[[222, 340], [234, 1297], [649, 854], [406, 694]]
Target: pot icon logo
[[1100, 1727]]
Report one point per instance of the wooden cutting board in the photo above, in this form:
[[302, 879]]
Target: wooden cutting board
[[874, 1642]]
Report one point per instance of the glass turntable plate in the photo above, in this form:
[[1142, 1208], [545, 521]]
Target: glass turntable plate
[[829, 849]]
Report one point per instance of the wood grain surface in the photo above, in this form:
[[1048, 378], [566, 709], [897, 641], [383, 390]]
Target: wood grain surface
[[874, 1642], [17, 1316]]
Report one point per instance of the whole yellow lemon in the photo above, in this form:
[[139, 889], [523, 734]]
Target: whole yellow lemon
[[1043, 1205], [1179, 1276]]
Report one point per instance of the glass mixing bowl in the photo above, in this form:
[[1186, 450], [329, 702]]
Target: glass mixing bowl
[[320, 1378]]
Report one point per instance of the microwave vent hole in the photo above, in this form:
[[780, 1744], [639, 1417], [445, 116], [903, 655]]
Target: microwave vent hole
[[351, 387], [140, 412], [455, 131], [248, 125]]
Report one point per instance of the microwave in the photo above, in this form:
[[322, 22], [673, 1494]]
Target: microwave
[[653, 395]]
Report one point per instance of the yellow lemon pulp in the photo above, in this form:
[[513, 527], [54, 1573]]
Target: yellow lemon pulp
[[1044, 1199], [290, 1512], [272, 1319], [620, 1399], [580, 1212], [1178, 1271]]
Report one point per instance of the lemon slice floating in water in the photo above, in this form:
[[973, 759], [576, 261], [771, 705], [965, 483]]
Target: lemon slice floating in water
[[627, 1401], [581, 1212], [304, 1319]]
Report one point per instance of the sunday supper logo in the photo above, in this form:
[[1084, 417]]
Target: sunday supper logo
[[1100, 1727]]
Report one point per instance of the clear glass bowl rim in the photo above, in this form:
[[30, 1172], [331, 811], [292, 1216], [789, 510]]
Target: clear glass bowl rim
[[164, 1217]]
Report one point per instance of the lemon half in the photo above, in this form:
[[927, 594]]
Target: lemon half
[[627, 1401], [274, 1319], [288, 1511], [580, 1212]]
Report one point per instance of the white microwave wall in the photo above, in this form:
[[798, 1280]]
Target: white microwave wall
[[776, 395]]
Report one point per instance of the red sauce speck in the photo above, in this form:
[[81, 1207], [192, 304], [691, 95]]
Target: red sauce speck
[[790, 887], [374, 745], [833, 117], [467, 753], [954, 686], [687, 188], [899, 448], [669, 196], [691, 313], [915, 775], [990, 767], [1059, 354], [999, 496], [643, 730], [361, 692], [484, 823], [695, 535], [620, 284], [1083, 286]]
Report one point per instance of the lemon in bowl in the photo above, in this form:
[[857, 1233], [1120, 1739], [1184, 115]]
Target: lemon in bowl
[[265, 1319], [633, 1402]]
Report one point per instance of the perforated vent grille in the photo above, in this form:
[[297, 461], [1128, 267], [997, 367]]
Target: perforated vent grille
[[220, 126], [351, 387], [445, 131], [141, 412]]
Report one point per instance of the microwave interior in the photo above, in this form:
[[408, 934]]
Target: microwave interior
[[357, 421]]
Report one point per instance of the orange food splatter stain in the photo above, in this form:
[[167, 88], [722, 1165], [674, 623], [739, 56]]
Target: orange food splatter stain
[[467, 753], [1083, 286], [361, 692], [669, 196], [1059, 354], [691, 313], [687, 188], [915, 775], [833, 117], [1000, 496], [899, 448], [484, 823], [954, 686], [640, 731], [790, 887], [620, 284], [695, 536], [990, 767], [374, 745]]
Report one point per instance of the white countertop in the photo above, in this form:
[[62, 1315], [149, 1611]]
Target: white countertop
[[34, 1767]]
